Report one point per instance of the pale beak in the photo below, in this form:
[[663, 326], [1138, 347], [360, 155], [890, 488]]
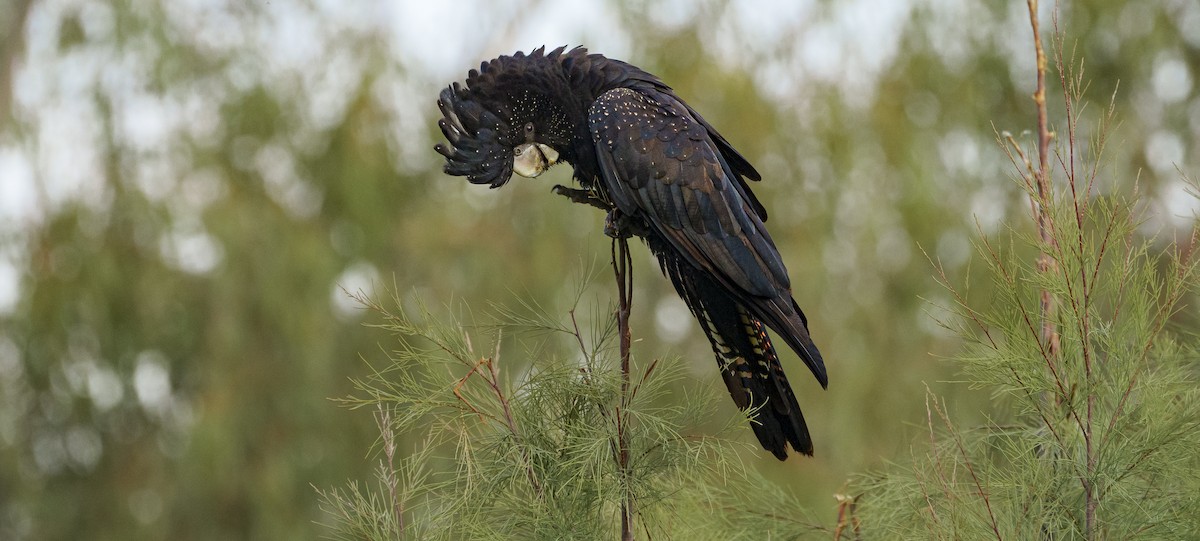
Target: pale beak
[[532, 159]]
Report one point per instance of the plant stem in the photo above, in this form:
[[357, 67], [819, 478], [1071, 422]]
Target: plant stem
[[1045, 224], [621, 262], [1047, 264]]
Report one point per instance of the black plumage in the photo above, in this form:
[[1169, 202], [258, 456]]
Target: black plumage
[[667, 176]]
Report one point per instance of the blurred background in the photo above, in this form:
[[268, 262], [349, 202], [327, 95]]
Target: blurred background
[[186, 186]]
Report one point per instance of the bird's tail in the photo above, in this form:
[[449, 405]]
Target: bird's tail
[[749, 364]]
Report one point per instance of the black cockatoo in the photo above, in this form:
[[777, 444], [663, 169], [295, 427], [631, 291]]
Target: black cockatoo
[[665, 175]]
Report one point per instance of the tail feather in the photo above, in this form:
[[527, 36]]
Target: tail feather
[[749, 364], [750, 367]]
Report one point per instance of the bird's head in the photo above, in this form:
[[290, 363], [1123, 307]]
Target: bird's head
[[532, 158], [515, 114]]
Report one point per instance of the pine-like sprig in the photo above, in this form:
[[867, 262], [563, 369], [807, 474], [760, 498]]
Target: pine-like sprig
[[531, 455], [1096, 433]]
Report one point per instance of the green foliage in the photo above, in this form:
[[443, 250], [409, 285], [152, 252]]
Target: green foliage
[[200, 177], [534, 455], [1096, 431]]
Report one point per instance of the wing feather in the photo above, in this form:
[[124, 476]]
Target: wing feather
[[660, 162]]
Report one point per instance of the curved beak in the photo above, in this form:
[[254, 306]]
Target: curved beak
[[532, 159]]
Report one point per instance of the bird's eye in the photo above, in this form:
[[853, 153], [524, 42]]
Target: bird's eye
[[528, 127]]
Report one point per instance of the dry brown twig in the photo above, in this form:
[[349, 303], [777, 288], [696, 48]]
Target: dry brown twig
[[1041, 181]]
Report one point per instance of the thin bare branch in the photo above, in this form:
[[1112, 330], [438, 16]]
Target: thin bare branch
[[622, 264], [1045, 223]]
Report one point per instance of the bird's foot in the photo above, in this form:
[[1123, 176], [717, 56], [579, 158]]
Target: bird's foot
[[619, 225], [586, 197], [616, 224]]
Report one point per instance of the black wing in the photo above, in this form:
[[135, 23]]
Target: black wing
[[659, 162]]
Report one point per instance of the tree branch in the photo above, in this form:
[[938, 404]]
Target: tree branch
[[622, 263]]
